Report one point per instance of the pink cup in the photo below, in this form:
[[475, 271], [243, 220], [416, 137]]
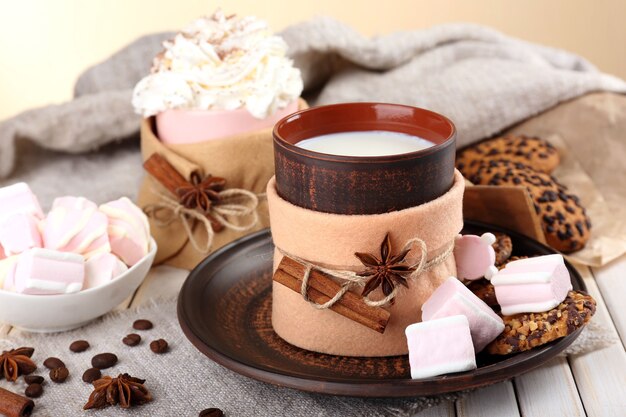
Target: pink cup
[[193, 126]]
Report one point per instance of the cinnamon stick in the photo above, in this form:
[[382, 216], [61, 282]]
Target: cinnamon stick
[[14, 405], [168, 177], [322, 288]]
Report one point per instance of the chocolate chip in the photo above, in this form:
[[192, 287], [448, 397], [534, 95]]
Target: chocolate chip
[[132, 339], [517, 181], [34, 390], [79, 346], [579, 227], [159, 346], [59, 375], [570, 209], [104, 360], [142, 325], [211, 412], [53, 363], [33, 379], [91, 374], [561, 235]]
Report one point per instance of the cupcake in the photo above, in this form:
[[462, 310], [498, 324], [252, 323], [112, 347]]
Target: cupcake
[[220, 76]]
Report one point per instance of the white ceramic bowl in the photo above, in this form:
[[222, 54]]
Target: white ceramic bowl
[[55, 313]]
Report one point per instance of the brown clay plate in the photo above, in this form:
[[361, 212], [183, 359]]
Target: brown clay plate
[[224, 309]]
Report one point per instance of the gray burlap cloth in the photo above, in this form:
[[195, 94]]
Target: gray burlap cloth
[[183, 381]]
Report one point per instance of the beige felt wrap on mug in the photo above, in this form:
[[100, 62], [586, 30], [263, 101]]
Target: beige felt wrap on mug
[[246, 161], [332, 239]]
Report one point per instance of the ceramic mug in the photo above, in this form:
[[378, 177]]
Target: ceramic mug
[[356, 184], [193, 126]]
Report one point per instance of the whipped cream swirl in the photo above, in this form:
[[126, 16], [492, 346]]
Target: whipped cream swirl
[[220, 62]]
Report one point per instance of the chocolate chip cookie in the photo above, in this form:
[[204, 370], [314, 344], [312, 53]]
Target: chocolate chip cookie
[[532, 152], [564, 220], [503, 246], [528, 330]]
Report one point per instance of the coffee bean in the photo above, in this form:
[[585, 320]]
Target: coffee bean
[[142, 325], [132, 339], [53, 363], [34, 391], [33, 379], [104, 360], [79, 346], [91, 375], [211, 412], [59, 375], [159, 346]]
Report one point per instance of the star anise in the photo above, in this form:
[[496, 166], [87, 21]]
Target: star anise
[[201, 193], [123, 390], [16, 362], [386, 271]]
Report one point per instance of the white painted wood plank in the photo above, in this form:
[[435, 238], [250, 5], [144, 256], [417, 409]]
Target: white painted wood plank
[[549, 391], [611, 280], [494, 401], [163, 282], [442, 410], [601, 375]]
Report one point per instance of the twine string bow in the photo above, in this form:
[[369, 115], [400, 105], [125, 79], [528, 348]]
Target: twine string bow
[[233, 203], [352, 279]]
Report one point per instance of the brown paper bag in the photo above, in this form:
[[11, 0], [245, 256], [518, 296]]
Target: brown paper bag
[[246, 161]]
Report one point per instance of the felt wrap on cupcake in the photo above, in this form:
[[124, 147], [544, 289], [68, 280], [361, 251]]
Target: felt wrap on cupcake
[[330, 242], [244, 161]]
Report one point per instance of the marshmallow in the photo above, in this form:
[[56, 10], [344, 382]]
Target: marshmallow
[[440, 346], [102, 268], [129, 231], [452, 298], [19, 232], [2, 254], [45, 272], [69, 202], [76, 229], [474, 256], [18, 198], [532, 285], [7, 273]]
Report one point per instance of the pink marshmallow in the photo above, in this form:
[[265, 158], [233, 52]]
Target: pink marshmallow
[[70, 202], [7, 273], [452, 298], [129, 231], [47, 272], [440, 346], [102, 268], [19, 232], [532, 285], [474, 256], [18, 198], [78, 230], [2, 254]]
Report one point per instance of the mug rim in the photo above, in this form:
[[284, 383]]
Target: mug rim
[[280, 139]]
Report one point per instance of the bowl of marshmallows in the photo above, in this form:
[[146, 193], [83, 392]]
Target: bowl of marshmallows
[[63, 269]]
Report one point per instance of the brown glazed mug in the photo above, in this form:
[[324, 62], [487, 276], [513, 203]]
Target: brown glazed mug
[[356, 184]]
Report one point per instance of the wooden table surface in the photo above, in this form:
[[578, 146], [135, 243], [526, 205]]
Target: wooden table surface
[[593, 384]]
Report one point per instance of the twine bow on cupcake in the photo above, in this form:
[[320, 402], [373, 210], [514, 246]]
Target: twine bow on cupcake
[[201, 201]]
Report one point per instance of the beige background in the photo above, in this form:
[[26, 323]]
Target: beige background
[[45, 44]]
